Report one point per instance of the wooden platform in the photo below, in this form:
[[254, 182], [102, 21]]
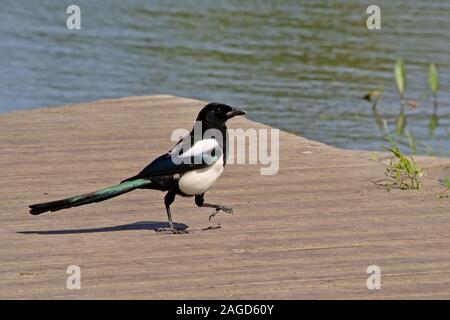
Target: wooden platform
[[308, 232]]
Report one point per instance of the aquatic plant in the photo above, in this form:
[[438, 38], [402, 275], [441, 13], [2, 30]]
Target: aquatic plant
[[433, 79], [400, 79], [402, 172], [446, 193], [374, 96]]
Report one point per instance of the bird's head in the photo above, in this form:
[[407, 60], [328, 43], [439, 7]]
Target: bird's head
[[214, 115]]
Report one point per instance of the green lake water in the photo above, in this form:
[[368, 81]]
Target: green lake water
[[302, 66]]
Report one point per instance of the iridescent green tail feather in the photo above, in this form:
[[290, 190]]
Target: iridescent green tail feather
[[91, 197]]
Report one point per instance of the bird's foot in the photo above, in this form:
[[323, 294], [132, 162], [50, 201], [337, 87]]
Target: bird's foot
[[172, 230], [220, 208]]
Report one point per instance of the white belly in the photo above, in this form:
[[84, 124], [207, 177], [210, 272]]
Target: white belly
[[200, 180]]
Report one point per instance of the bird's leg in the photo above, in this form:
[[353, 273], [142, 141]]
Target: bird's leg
[[200, 201], [168, 200]]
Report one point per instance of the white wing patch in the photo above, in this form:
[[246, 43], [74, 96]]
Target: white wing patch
[[200, 147], [200, 180]]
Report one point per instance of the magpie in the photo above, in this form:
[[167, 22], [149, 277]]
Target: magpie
[[188, 169]]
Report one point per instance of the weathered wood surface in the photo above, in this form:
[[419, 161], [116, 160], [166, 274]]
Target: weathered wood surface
[[309, 232]]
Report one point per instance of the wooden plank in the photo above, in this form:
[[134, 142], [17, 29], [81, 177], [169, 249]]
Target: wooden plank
[[309, 231]]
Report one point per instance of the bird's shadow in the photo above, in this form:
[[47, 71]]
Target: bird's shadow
[[141, 225]]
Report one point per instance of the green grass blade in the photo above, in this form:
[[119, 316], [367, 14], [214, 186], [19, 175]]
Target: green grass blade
[[433, 77], [400, 76], [401, 123]]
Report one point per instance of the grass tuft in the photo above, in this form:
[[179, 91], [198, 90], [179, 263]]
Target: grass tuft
[[402, 172], [446, 193]]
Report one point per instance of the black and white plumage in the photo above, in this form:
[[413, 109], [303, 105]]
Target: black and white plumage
[[190, 168]]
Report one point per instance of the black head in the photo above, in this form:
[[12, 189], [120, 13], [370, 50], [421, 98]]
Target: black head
[[214, 115]]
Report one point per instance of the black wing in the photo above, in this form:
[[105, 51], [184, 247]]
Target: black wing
[[175, 161]]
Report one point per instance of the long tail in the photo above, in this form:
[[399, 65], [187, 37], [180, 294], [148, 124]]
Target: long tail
[[95, 196]]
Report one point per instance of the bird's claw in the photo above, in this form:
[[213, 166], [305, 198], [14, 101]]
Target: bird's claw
[[219, 208], [227, 210]]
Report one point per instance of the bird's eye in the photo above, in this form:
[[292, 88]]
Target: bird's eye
[[218, 110]]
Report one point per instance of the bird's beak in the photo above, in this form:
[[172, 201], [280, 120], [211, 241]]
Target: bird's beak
[[235, 112]]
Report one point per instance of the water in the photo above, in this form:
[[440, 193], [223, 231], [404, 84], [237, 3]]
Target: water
[[302, 66]]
